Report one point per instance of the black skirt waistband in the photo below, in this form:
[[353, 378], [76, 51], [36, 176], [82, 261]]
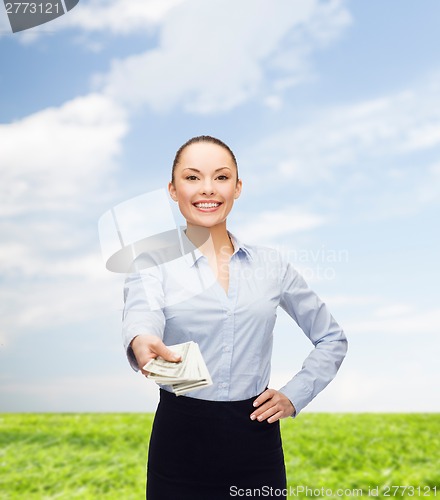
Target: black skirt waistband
[[204, 407]]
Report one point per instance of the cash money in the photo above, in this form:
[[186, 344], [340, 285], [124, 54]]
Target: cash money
[[187, 375]]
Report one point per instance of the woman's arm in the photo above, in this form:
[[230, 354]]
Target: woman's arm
[[328, 338], [143, 320]]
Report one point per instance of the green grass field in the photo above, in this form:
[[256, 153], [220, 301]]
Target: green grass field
[[103, 456]]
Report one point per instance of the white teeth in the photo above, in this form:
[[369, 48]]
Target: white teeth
[[207, 205]]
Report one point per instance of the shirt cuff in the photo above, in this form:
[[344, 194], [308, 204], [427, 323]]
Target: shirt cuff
[[129, 350], [298, 395], [132, 358]]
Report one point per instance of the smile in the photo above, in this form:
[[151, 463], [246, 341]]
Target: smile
[[207, 205]]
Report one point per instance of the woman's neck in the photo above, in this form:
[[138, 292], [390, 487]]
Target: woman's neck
[[210, 240]]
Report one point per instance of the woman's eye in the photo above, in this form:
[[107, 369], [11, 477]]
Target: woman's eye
[[194, 177]]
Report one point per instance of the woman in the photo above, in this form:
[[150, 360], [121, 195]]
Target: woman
[[223, 440]]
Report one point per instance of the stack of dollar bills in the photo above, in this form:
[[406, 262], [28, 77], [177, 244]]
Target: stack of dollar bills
[[187, 375]]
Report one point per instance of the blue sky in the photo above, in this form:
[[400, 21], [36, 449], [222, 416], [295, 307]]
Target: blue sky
[[333, 111]]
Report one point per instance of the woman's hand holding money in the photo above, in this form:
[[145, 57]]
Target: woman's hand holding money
[[146, 347]]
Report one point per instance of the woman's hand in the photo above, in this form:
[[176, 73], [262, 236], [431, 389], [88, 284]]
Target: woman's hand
[[147, 347], [272, 405]]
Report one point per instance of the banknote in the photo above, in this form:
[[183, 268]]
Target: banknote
[[187, 375]]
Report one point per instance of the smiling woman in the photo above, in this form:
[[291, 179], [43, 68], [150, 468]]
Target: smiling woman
[[227, 434]]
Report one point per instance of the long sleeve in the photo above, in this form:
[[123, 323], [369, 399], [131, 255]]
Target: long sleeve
[[143, 308], [330, 343]]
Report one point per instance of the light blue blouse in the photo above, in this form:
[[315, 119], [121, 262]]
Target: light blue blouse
[[181, 300]]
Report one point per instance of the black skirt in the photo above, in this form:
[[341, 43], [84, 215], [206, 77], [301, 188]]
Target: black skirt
[[212, 450]]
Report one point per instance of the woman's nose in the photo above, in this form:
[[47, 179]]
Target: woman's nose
[[207, 188]]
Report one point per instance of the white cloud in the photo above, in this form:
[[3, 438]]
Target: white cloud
[[273, 223], [376, 154], [118, 16], [53, 157], [391, 364], [273, 102], [408, 389], [215, 55], [404, 388], [371, 314], [353, 300], [377, 314], [393, 310], [428, 190], [387, 321], [56, 170], [60, 293], [345, 135]]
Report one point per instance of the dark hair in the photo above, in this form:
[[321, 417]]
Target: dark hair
[[202, 138]]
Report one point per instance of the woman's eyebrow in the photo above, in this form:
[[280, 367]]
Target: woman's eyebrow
[[196, 170]]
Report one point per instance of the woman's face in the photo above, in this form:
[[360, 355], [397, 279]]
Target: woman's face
[[205, 184]]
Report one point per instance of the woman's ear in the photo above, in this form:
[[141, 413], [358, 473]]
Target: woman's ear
[[172, 191], [238, 187]]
